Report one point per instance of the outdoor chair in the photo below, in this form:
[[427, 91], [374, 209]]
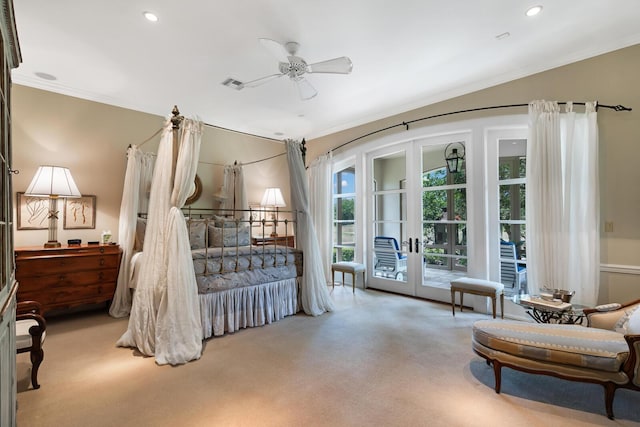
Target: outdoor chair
[[389, 262]]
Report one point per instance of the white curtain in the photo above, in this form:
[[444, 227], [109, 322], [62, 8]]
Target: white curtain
[[563, 247], [121, 303], [233, 188], [164, 318], [314, 292], [321, 207]]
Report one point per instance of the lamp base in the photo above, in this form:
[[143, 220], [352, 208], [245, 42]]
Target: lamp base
[[274, 234], [52, 244]]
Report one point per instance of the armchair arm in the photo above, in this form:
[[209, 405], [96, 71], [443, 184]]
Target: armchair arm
[[29, 307], [26, 310]]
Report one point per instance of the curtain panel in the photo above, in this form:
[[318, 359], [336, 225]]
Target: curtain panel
[[562, 206]]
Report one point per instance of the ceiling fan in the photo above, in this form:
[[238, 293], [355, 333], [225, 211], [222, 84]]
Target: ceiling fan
[[295, 67]]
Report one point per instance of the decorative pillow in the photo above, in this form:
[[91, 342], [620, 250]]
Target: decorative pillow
[[633, 325], [221, 221], [197, 230], [219, 237], [622, 325], [608, 307]]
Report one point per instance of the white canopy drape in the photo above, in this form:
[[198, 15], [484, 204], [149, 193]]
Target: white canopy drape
[[320, 207], [165, 319], [233, 187], [134, 195], [314, 293], [563, 247]]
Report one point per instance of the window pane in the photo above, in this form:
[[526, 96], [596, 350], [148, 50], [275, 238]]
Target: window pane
[[512, 202]]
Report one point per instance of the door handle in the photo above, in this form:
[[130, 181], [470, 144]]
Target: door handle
[[417, 245], [410, 245]]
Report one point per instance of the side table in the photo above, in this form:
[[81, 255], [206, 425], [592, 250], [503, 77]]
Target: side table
[[543, 311]]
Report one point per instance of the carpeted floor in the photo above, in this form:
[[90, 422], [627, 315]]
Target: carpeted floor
[[378, 360]]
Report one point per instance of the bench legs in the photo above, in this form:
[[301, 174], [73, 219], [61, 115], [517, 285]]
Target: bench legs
[[490, 295], [353, 279]]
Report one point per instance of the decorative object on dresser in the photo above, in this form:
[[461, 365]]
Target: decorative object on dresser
[[53, 182], [65, 277]]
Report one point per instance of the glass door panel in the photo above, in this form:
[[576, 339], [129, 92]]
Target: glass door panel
[[388, 208], [443, 220]]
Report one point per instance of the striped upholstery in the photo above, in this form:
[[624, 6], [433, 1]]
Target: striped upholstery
[[573, 345]]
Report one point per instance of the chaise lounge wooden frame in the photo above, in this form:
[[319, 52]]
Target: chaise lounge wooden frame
[[627, 377]]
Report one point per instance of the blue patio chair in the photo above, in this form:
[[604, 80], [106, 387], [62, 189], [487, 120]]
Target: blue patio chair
[[389, 262], [512, 274]]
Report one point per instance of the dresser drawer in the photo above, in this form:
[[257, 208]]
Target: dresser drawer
[[67, 279], [71, 296], [38, 267]]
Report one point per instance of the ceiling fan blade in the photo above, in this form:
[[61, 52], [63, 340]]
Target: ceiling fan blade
[[276, 49], [342, 65], [262, 80], [305, 90]]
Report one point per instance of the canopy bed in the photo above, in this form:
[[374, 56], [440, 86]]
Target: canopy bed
[[198, 274]]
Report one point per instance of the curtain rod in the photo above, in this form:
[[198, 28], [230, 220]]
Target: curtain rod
[[407, 123]]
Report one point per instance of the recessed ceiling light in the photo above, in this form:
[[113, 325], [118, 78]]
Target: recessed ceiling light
[[278, 134], [45, 76], [533, 11], [150, 16], [503, 35]]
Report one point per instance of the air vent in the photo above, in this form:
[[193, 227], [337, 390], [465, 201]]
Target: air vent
[[233, 83]]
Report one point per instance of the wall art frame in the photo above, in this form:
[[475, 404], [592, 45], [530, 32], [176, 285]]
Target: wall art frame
[[32, 213], [79, 212]]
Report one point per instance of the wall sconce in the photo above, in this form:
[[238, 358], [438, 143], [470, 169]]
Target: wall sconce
[[273, 198], [454, 155], [53, 182]]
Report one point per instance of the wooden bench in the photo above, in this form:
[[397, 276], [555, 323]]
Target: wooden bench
[[485, 288], [352, 268]]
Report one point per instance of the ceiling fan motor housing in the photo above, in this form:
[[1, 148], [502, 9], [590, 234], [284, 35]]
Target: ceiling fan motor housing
[[296, 67]]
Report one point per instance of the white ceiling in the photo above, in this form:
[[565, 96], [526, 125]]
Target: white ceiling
[[405, 53]]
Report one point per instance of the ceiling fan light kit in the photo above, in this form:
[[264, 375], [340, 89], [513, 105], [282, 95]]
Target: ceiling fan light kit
[[295, 68]]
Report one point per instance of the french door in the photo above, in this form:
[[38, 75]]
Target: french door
[[418, 228]]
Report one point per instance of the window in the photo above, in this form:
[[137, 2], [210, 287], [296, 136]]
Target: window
[[344, 200], [512, 195], [444, 206]]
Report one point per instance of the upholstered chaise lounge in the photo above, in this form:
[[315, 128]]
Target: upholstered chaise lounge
[[607, 352]]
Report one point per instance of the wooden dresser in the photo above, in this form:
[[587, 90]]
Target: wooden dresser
[[60, 278]]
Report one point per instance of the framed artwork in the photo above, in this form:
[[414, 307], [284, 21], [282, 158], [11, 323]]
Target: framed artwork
[[32, 212], [79, 212]]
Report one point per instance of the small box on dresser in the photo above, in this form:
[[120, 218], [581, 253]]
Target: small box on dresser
[[71, 276]]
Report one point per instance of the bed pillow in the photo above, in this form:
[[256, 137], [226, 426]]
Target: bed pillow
[[197, 230], [221, 221], [219, 237]]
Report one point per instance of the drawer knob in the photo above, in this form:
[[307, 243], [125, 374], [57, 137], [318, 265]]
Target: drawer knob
[[101, 275], [101, 261]]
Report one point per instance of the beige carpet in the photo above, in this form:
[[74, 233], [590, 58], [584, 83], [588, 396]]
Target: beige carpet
[[378, 360]]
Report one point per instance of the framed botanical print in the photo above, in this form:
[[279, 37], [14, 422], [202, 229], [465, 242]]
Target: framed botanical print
[[79, 212], [32, 212]]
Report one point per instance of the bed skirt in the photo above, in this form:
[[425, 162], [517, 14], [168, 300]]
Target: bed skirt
[[247, 307]]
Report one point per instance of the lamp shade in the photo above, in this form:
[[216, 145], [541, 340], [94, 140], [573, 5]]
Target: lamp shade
[[273, 197], [53, 181]]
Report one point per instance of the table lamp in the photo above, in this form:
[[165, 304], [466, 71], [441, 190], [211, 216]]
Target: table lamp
[[273, 198], [52, 182]]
